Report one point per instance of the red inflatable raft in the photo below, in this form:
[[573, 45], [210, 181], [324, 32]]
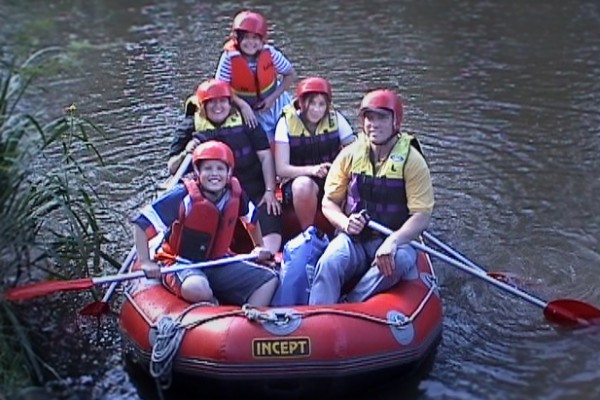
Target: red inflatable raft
[[284, 348]]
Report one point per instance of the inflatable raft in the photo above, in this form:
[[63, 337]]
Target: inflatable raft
[[284, 350]]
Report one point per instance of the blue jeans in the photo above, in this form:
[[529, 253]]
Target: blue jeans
[[346, 259]]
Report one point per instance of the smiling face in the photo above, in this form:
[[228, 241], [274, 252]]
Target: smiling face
[[217, 109], [314, 106], [213, 175], [378, 124], [250, 43]]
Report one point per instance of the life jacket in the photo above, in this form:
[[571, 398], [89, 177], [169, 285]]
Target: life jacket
[[201, 231], [309, 149], [234, 133], [191, 105], [383, 195], [250, 85]]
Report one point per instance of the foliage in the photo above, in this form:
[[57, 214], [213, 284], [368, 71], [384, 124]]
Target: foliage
[[49, 209]]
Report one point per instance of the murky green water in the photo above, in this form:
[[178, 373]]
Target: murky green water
[[504, 97]]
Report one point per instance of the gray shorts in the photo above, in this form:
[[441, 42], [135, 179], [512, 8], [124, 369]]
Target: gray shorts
[[231, 283]]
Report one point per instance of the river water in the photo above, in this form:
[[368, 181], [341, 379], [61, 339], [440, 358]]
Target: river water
[[504, 96]]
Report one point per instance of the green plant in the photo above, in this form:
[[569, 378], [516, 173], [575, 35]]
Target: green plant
[[49, 208]]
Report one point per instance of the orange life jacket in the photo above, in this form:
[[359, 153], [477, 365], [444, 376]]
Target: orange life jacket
[[204, 232], [247, 84]]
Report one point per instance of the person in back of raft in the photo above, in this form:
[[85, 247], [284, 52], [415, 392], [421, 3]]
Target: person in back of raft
[[252, 67], [308, 136], [198, 220], [385, 174]]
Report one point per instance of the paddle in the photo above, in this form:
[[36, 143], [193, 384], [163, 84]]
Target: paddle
[[39, 289], [101, 307], [566, 312], [98, 308], [501, 276], [172, 181]]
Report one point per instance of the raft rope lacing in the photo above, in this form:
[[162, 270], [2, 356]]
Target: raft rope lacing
[[170, 332]]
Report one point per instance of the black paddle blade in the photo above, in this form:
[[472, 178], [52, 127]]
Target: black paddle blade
[[572, 313]]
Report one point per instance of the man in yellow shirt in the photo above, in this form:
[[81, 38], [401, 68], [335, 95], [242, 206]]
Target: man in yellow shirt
[[385, 175]]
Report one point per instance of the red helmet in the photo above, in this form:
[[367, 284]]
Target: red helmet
[[212, 89], [214, 150], [250, 22], [386, 99], [313, 85]]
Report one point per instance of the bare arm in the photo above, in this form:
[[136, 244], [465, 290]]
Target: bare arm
[[238, 101], [141, 244], [150, 268], [255, 233], [384, 256], [334, 213], [336, 190], [268, 167], [286, 83], [175, 161], [245, 109], [411, 229]]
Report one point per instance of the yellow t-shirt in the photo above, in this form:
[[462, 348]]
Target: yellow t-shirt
[[419, 190]]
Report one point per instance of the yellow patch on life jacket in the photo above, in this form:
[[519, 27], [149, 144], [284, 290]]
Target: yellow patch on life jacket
[[202, 124], [296, 127], [392, 168]]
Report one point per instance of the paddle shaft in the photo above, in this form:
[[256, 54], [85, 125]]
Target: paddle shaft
[[174, 268], [455, 263], [111, 289], [169, 183], [451, 251], [47, 287]]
